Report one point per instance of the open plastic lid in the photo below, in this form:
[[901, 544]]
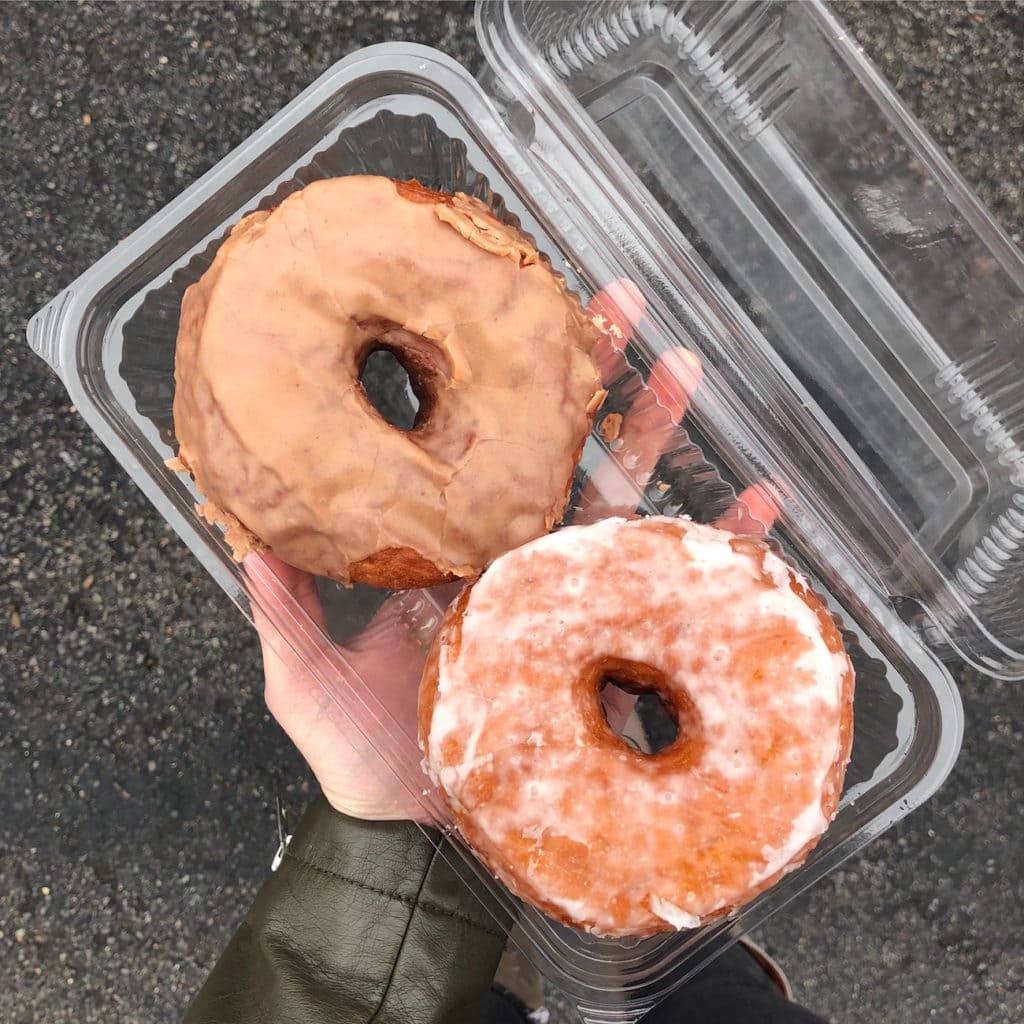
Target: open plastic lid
[[859, 313]]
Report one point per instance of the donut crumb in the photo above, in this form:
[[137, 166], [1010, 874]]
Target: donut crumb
[[610, 426]]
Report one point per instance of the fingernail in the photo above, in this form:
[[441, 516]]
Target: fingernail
[[763, 502], [621, 305], [674, 380]]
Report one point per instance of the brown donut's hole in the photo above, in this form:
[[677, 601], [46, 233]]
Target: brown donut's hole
[[388, 387], [400, 374], [675, 732]]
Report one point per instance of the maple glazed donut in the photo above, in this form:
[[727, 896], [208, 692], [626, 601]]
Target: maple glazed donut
[[278, 432], [596, 833]]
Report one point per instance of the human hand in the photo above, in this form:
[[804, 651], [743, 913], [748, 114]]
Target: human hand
[[362, 746]]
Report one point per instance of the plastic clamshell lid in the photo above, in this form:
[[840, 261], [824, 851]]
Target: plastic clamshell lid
[[859, 313]]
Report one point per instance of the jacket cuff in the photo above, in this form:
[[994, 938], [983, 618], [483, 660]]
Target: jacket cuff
[[398, 860], [363, 921]]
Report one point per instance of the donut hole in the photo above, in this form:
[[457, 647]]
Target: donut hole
[[652, 725], [637, 705], [389, 387], [401, 373]]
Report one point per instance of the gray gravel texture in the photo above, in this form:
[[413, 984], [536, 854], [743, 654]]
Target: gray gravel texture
[[138, 763]]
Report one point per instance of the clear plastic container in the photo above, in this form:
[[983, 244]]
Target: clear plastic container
[[858, 315]]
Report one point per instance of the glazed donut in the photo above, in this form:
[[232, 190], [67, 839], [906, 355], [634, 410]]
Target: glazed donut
[[282, 441], [598, 834]]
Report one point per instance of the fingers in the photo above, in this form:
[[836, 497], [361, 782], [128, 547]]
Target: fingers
[[616, 485], [755, 510], [636, 439], [621, 304], [289, 690], [412, 613], [636, 442], [616, 310], [272, 579], [359, 742], [674, 381]]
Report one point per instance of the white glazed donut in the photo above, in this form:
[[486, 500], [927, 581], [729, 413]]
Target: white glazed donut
[[600, 835]]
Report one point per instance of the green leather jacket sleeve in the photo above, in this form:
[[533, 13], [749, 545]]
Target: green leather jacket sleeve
[[362, 922]]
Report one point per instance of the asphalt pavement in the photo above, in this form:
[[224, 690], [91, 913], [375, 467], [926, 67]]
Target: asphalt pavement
[[138, 763]]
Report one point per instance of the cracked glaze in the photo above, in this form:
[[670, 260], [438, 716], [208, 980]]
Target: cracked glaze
[[276, 429]]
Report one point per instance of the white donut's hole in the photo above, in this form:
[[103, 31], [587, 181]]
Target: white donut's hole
[[648, 726], [660, 725]]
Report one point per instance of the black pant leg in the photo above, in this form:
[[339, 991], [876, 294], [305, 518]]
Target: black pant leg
[[734, 989]]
